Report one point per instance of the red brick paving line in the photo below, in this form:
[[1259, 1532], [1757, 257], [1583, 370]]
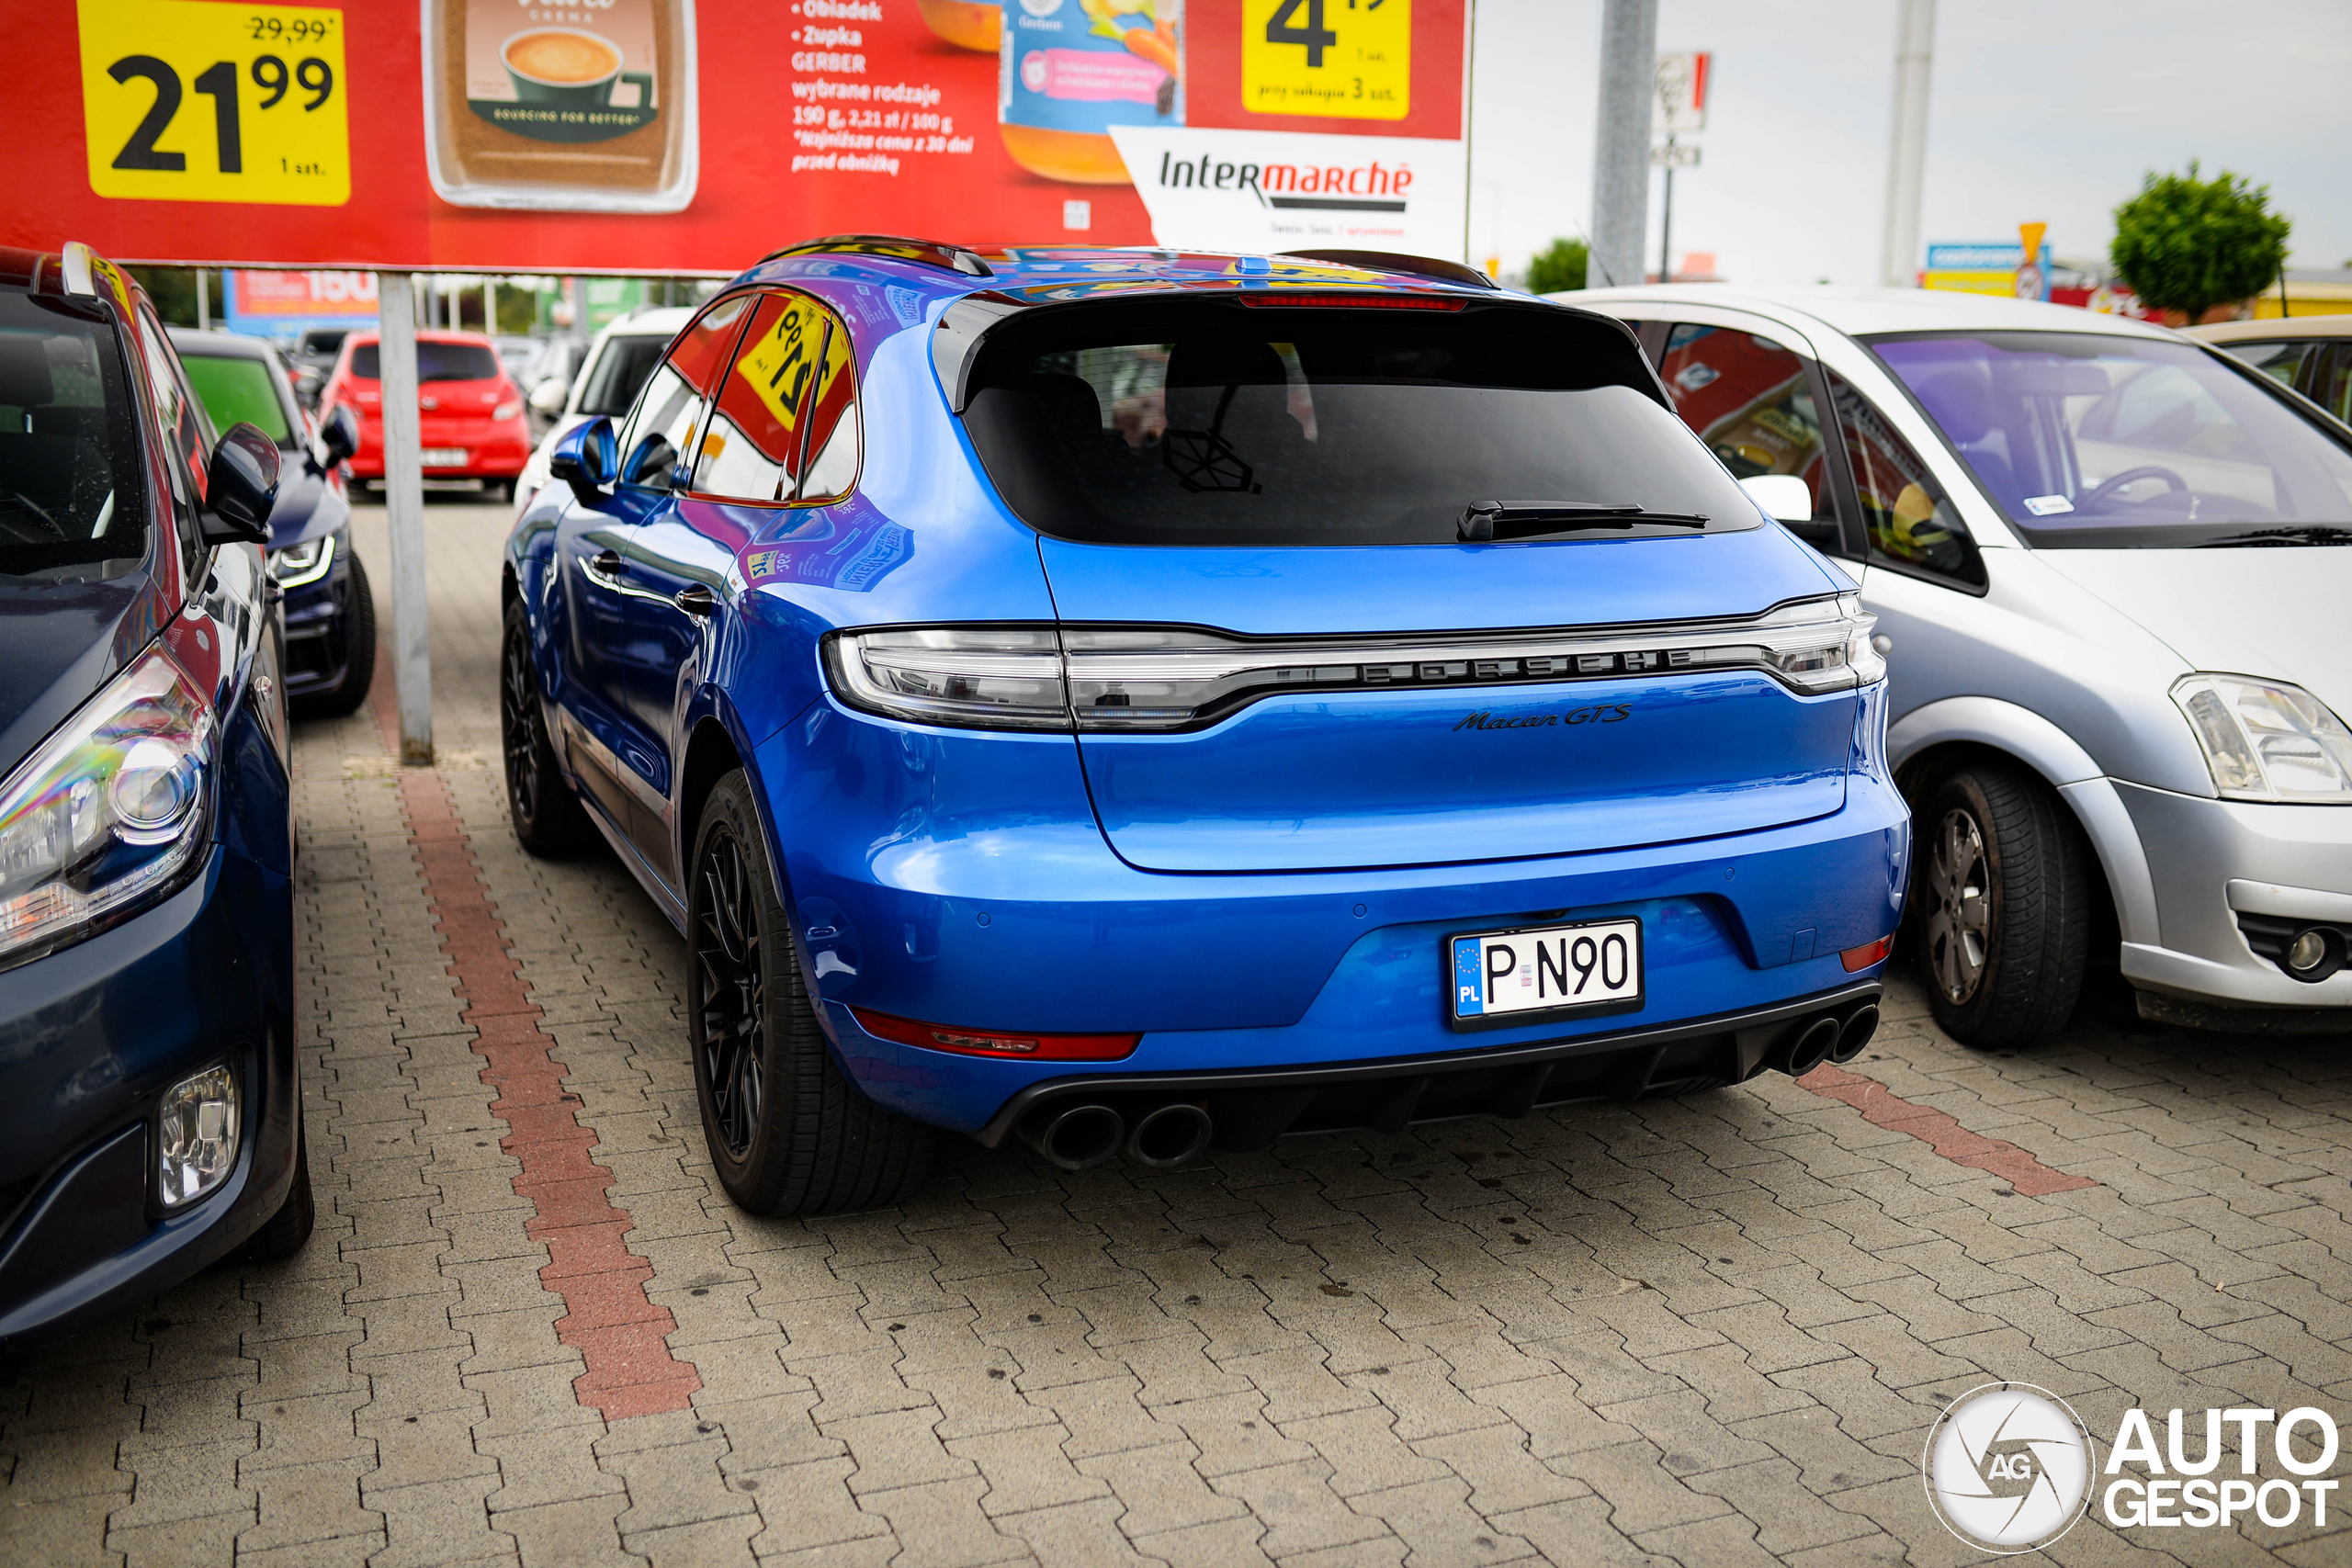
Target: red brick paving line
[[1882, 1107], [621, 1333]]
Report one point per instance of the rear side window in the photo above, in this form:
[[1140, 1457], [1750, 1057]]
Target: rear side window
[[435, 361], [785, 425], [71, 490], [619, 374], [1207, 421], [1909, 520], [662, 425], [1750, 401], [2279, 361]]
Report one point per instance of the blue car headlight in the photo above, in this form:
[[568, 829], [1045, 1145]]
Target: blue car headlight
[[297, 565], [108, 812]]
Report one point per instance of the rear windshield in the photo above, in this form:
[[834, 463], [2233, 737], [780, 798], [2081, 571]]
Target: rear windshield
[[1207, 421], [620, 371], [70, 490], [238, 390], [435, 361], [2098, 441], [324, 340]]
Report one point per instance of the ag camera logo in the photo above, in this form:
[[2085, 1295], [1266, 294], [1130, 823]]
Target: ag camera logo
[[2008, 1468]]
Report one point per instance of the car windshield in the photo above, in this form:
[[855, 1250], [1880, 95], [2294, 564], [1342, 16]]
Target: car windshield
[[236, 390], [435, 361], [69, 489], [2097, 441], [1210, 422], [628, 358]]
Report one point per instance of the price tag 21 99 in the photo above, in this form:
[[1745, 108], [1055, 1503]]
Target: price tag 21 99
[[192, 100]]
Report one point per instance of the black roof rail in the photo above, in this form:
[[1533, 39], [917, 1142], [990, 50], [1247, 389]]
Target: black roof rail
[[931, 253], [1394, 261]]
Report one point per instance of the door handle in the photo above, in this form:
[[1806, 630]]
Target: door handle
[[607, 562], [695, 600]]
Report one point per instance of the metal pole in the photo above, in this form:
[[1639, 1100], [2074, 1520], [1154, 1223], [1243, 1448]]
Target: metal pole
[[203, 302], [1469, 119], [404, 508], [1621, 143], [1665, 222], [1906, 152]]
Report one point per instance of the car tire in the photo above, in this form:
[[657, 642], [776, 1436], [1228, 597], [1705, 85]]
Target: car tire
[[787, 1131], [548, 819], [284, 1233], [358, 656], [2002, 909]]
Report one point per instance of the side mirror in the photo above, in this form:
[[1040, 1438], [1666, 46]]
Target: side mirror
[[1783, 497], [239, 487], [587, 458], [339, 434], [549, 396]]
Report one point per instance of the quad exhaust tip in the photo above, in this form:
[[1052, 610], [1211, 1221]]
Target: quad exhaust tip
[[1168, 1137], [1825, 1037], [1859, 1026], [1079, 1138]]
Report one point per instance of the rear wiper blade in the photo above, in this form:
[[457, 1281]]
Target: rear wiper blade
[[2316, 534], [1484, 521]]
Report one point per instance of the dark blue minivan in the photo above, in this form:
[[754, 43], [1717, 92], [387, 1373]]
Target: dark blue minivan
[[150, 1114], [1132, 700]]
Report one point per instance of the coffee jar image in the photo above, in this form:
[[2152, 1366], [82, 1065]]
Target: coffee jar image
[[575, 106], [967, 23], [1069, 70]]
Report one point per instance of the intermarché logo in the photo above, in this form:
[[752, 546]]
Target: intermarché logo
[[2010, 1468]]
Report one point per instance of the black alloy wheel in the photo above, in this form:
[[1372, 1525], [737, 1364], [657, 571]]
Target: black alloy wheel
[[730, 1014], [2002, 906], [787, 1133], [549, 818]]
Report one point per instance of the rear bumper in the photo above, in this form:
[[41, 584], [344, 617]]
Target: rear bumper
[[496, 453], [962, 880], [1250, 1105]]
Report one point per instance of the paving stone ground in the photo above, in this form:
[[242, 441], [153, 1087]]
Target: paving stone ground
[[1711, 1330]]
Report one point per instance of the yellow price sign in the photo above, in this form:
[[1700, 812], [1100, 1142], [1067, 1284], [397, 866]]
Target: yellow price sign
[[1347, 59], [192, 100]]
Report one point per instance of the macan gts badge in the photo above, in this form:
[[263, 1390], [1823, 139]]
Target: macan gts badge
[[1093, 697]]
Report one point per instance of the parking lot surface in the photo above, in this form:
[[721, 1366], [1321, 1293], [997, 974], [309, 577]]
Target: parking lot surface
[[1711, 1330]]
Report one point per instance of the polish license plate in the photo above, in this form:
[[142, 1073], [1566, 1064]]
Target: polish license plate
[[1505, 979], [445, 457]]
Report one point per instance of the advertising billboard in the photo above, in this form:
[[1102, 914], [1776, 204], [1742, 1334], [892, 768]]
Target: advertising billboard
[[284, 304], [641, 136]]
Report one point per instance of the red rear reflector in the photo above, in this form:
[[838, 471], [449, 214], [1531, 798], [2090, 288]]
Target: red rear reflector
[[996, 1043], [1359, 302], [1862, 957]]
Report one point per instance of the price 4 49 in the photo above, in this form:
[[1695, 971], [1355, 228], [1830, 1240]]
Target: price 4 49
[[192, 100]]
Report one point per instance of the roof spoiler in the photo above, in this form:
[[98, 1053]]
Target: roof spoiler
[[1394, 261], [930, 252]]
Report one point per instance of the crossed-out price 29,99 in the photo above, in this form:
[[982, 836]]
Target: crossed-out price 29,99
[[192, 100]]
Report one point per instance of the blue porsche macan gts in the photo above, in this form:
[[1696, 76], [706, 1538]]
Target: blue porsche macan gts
[[1133, 701]]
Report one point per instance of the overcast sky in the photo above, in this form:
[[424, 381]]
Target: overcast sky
[[2039, 111]]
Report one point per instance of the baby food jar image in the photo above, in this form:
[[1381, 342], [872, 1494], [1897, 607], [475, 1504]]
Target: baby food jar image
[[1069, 70], [579, 106], [969, 24]]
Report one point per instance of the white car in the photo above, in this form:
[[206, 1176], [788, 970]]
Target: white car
[[2108, 566], [619, 359]]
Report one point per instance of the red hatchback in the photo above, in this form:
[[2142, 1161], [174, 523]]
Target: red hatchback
[[472, 412]]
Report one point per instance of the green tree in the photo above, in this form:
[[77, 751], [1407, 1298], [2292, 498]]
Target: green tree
[[2188, 244], [1558, 267]]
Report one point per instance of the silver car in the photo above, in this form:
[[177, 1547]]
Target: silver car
[[2108, 569], [619, 359]]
